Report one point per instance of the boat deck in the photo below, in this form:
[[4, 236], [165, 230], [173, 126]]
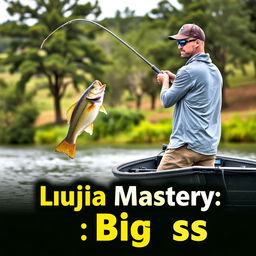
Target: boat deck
[[235, 176]]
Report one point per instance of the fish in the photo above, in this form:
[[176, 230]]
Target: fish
[[81, 115]]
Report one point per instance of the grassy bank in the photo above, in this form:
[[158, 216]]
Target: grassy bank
[[238, 77], [46, 107], [236, 129], [124, 124]]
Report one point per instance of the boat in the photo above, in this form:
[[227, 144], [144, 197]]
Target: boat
[[236, 177]]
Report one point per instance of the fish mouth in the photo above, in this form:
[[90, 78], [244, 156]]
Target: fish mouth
[[96, 97], [97, 83], [97, 91]]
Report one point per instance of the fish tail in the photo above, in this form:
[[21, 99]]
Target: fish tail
[[67, 148]]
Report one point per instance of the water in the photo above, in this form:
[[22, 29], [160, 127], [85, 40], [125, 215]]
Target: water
[[22, 167]]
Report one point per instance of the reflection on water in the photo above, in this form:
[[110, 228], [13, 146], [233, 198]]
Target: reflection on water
[[21, 167], [247, 151]]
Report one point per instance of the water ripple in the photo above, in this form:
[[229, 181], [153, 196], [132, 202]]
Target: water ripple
[[20, 167]]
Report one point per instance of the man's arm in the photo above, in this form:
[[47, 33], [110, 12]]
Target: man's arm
[[165, 78], [181, 84]]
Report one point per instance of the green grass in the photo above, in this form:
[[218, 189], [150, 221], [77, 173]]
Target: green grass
[[239, 130], [44, 98], [234, 130], [9, 78], [50, 134], [239, 79], [45, 101]]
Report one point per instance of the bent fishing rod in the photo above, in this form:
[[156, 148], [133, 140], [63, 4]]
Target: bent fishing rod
[[155, 69]]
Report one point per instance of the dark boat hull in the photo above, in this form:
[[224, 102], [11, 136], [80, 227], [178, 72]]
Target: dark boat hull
[[236, 177]]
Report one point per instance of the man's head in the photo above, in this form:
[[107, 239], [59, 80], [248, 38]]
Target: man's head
[[190, 40]]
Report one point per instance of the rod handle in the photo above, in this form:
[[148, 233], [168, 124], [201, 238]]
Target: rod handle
[[158, 71]]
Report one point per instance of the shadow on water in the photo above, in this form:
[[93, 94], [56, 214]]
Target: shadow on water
[[22, 167]]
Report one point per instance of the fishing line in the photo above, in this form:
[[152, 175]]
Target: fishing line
[[154, 68]]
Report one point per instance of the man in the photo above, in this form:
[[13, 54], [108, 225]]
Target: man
[[196, 94]]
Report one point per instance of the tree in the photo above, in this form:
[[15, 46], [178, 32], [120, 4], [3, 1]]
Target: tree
[[17, 116], [129, 72], [227, 33], [68, 57], [126, 71], [226, 24], [250, 5]]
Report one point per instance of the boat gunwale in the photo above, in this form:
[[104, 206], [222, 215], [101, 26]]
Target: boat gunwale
[[183, 171]]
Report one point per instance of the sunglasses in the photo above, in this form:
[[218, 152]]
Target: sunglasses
[[184, 42]]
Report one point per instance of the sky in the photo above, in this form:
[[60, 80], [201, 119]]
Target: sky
[[108, 7]]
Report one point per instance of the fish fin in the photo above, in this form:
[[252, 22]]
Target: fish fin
[[66, 148], [102, 109], [91, 107], [70, 112], [89, 129]]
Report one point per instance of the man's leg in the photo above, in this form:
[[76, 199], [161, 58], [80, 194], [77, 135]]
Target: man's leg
[[183, 157], [175, 158], [206, 161]]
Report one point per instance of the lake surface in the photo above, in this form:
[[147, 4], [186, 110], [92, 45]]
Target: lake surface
[[22, 167]]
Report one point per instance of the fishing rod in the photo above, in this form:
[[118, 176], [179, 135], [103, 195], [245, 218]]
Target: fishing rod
[[155, 69]]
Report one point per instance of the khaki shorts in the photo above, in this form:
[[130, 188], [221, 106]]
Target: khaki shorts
[[184, 157]]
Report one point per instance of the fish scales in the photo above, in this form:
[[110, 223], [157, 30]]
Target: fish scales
[[81, 116]]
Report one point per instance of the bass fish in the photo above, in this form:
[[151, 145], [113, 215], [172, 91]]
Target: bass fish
[[81, 115]]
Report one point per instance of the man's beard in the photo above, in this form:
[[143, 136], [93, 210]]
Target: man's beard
[[185, 55]]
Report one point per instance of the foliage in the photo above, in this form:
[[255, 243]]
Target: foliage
[[128, 71], [21, 129], [250, 6], [78, 54], [118, 120], [17, 117], [4, 44], [226, 24], [167, 18], [120, 123], [239, 130], [50, 135], [151, 132], [67, 58]]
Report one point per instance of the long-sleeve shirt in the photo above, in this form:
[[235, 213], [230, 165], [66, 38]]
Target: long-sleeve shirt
[[196, 93]]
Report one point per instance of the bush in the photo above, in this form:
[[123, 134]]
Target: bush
[[239, 130], [50, 134], [21, 129], [46, 137], [116, 121], [149, 132], [17, 117]]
